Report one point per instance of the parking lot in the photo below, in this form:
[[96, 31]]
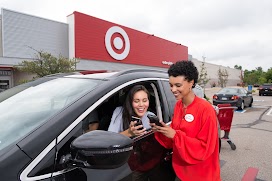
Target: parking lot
[[251, 132]]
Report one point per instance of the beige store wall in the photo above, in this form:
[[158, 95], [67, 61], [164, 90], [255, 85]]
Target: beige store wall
[[212, 71]]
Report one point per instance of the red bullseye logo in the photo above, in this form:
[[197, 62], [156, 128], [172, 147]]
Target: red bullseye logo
[[117, 43]]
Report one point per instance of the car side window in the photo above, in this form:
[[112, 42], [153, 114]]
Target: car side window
[[90, 122], [246, 92], [242, 91], [120, 97]]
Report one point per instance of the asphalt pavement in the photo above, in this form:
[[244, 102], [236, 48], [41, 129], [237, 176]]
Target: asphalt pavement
[[251, 132]]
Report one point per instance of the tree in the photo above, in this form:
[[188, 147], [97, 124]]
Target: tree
[[259, 69], [268, 75], [257, 76], [222, 77], [249, 77], [262, 80], [203, 79], [239, 67], [45, 64]]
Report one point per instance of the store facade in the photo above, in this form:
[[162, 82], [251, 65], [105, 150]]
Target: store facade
[[96, 43]]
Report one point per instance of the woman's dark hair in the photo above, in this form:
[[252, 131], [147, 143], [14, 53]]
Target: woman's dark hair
[[128, 110], [184, 68]]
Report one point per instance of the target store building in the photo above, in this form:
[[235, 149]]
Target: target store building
[[96, 43]]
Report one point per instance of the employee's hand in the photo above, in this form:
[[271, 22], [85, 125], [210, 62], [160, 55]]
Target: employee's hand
[[164, 129]]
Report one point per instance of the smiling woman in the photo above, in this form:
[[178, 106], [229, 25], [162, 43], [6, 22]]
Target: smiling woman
[[136, 105], [193, 132]]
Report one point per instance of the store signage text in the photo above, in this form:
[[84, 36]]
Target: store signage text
[[167, 63], [5, 72]]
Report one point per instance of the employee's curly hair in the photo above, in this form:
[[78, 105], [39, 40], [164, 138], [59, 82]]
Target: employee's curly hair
[[184, 68]]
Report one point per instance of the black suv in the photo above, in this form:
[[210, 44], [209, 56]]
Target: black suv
[[42, 128], [265, 89]]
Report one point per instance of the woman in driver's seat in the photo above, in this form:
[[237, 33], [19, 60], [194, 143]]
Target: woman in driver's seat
[[136, 104]]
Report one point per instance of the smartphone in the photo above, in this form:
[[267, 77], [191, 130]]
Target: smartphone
[[154, 119], [139, 121]]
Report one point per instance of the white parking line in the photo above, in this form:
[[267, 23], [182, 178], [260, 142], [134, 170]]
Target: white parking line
[[261, 106], [269, 112]]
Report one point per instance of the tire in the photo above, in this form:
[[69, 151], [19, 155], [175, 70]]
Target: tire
[[242, 106], [250, 105]]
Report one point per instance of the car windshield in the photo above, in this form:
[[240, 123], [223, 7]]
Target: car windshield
[[228, 91], [25, 107]]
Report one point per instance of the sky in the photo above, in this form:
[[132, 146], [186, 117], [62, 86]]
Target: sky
[[223, 32]]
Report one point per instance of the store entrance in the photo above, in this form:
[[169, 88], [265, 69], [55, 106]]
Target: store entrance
[[5, 79], [4, 85]]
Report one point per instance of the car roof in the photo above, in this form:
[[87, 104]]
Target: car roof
[[108, 74], [94, 76]]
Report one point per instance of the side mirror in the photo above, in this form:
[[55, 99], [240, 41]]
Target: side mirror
[[100, 150]]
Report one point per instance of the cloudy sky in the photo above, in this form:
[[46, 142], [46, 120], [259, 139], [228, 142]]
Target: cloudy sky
[[226, 32]]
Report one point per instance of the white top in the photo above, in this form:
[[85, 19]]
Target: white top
[[116, 124]]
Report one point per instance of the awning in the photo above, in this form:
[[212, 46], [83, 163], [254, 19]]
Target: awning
[[6, 67]]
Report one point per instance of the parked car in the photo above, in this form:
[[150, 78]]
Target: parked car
[[238, 97], [42, 128], [265, 89]]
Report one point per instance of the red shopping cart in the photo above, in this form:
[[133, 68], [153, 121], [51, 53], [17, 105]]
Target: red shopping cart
[[225, 116]]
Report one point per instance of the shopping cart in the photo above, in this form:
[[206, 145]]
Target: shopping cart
[[225, 115]]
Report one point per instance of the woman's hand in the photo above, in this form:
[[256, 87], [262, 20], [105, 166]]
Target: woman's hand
[[134, 130], [164, 129]]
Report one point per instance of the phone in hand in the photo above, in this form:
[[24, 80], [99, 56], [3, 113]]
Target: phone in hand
[[139, 121], [154, 119]]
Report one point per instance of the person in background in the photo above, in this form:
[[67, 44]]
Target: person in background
[[192, 133], [136, 104]]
